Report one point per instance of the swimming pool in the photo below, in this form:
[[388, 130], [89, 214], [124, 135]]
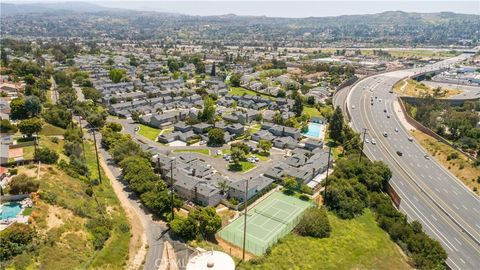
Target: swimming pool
[[10, 210], [314, 130]]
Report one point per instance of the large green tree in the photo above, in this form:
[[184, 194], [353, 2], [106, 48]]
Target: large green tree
[[33, 105], [208, 112], [17, 108], [30, 126], [116, 74], [336, 125], [216, 137]]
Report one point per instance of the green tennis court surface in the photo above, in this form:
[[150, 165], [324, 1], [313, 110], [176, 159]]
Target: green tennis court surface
[[267, 222]]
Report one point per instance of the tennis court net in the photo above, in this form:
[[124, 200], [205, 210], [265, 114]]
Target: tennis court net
[[271, 217]]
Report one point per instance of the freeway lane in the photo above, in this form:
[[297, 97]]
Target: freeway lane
[[430, 194]]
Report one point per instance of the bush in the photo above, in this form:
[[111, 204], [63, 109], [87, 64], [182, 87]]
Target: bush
[[22, 184], [314, 223], [13, 171], [15, 240], [46, 156], [100, 229]]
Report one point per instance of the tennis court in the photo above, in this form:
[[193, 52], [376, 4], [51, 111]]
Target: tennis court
[[267, 222]]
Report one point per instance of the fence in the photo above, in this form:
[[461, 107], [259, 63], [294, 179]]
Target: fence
[[254, 246]]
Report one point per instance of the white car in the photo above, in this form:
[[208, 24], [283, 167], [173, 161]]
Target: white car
[[374, 142], [367, 140], [219, 152], [396, 129], [353, 106], [410, 139]]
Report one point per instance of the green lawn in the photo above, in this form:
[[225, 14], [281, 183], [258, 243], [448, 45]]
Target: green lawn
[[353, 244], [254, 128], [243, 166], [311, 111], [240, 91], [200, 151], [50, 130], [148, 132], [262, 158], [27, 211]]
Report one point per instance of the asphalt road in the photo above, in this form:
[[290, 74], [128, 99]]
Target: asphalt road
[[448, 210]]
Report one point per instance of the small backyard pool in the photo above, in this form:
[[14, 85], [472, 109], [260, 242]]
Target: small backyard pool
[[10, 210]]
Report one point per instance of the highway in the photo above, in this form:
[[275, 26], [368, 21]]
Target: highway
[[448, 211]]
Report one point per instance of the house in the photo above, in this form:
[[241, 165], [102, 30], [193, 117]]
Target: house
[[182, 127], [236, 129], [312, 144], [283, 131], [201, 128], [237, 188], [263, 135], [285, 142]]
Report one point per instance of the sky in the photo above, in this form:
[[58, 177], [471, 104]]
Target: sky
[[295, 9]]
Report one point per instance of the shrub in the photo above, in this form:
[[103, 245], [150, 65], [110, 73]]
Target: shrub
[[22, 184], [13, 171], [15, 240], [314, 223], [46, 156], [100, 230]]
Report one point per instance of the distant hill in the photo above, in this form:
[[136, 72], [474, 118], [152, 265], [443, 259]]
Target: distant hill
[[16, 9]]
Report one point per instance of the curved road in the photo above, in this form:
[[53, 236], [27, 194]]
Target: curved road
[[447, 209]]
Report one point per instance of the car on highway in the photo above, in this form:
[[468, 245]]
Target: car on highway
[[388, 116], [399, 153], [410, 139], [384, 110], [426, 157], [385, 134], [353, 107], [367, 140], [374, 142], [396, 129]]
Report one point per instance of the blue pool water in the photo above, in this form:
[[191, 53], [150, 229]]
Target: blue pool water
[[314, 130], [10, 210]]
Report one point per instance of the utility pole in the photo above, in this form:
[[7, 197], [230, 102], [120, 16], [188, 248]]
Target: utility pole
[[326, 178], [83, 141], [363, 144], [96, 154], [171, 186], [245, 220]]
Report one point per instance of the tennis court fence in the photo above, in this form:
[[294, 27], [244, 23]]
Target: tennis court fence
[[254, 245]]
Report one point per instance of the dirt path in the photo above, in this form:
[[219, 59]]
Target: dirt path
[[137, 249]]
